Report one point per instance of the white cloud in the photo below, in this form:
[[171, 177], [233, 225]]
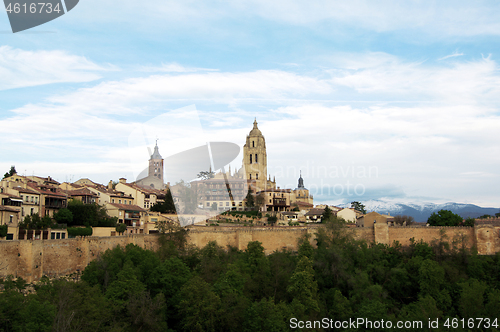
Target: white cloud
[[379, 73], [441, 19], [451, 56], [20, 68], [173, 68]]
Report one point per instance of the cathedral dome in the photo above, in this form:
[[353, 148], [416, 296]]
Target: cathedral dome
[[255, 131]]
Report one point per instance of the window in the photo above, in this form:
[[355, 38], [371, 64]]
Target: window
[[36, 200], [250, 159], [220, 203], [227, 203], [270, 201], [32, 199], [113, 200], [256, 176], [256, 158], [120, 201], [253, 144], [11, 219], [27, 198], [32, 211], [208, 203]]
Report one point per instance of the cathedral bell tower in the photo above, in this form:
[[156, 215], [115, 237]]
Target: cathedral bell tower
[[255, 158]]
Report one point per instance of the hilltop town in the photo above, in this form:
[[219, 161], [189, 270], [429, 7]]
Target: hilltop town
[[35, 207]]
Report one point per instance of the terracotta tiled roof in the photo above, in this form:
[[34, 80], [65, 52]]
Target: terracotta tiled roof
[[25, 191], [81, 192], [290, 213], [58, 193], [299, 203], [129, 207], [10, 195], [315, 212], [146, 190]]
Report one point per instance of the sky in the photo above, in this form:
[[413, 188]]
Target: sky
[[386, 100]]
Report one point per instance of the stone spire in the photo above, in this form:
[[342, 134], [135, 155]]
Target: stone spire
[[301, 181], [156, 153]]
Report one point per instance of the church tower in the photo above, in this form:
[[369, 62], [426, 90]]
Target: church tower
[[156, 164], [255, 158], [154, 179]]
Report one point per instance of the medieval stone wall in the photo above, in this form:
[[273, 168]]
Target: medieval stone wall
[[53, 258]]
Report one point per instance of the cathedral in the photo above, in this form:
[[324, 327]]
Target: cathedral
[[226, 190]]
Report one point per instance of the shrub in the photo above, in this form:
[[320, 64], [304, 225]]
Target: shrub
[[3, 230], [79, 231], [120, 228]]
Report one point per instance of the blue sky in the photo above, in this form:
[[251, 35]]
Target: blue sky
[[386, 100]]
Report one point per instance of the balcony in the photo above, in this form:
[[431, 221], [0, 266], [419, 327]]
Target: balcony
[[279, 202]]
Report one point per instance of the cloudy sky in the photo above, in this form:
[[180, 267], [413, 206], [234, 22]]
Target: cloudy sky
[[371, 100]]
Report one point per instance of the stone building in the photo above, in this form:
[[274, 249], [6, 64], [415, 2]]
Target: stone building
[[155, 177], [301, 194]]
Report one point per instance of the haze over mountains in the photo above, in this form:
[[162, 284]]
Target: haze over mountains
[[422, 211]]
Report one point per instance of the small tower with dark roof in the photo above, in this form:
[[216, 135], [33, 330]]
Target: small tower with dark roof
[[301, 182]]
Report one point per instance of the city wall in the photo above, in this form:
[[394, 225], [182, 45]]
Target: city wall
[[53, 258]]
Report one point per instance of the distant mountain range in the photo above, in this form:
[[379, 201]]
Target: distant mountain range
[[422, 211]]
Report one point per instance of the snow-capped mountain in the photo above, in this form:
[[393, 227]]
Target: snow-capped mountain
[[422, 210]]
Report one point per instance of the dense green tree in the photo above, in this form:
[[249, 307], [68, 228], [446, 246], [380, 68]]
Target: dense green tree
[[327, 214], [432, 281], [167, 206], [249, 199], [472, 298], [303, 286], [121, 227], [4, 229], [199, 307], [470, 222], [35, 222], [272, 220], [89, 215], [260, 199], [444, 218], [63, 216], [264, 315], [358, 206], [11, 172]]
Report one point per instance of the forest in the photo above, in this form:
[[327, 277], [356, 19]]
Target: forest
[[184, 288]]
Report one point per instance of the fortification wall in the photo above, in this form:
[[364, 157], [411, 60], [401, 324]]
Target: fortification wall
[[33, 259], [272, 239], [432, 234]]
